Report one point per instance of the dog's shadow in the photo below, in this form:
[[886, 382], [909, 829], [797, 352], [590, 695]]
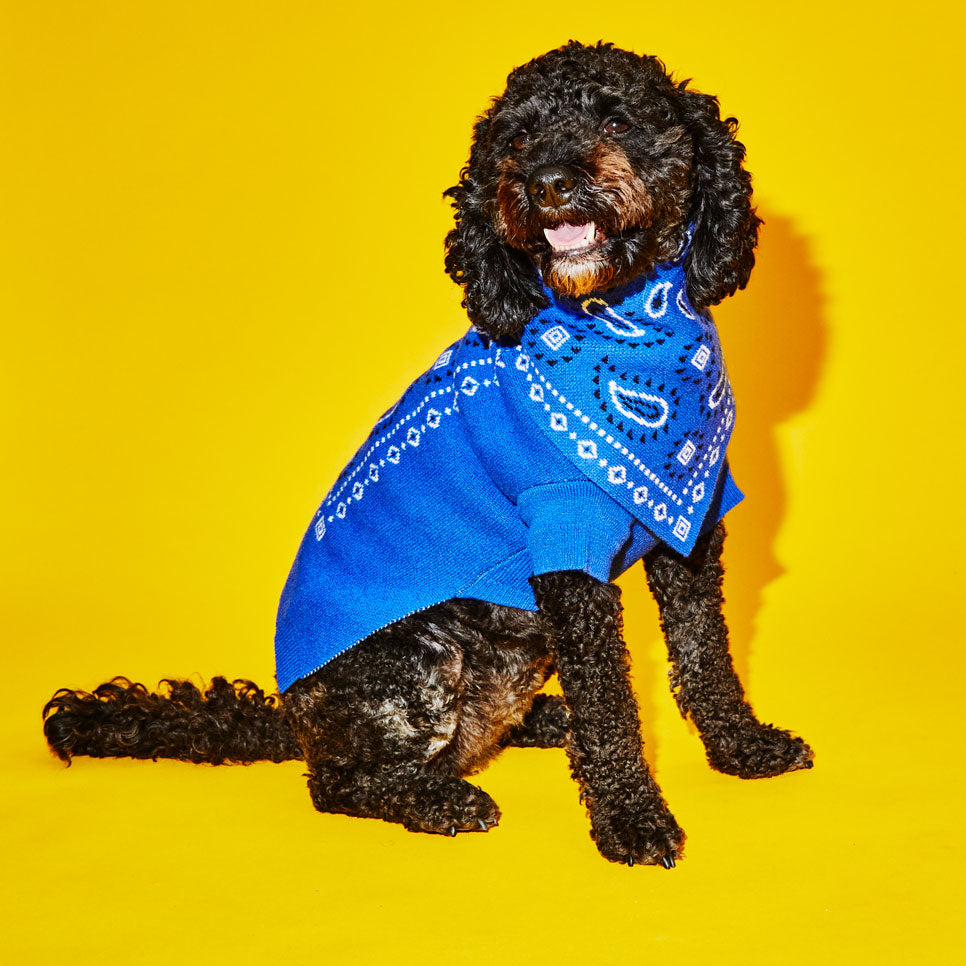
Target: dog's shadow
[[774, 340], [774, 335]]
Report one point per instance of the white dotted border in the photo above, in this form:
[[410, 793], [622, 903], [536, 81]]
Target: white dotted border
[[681, 526], [412, 441]]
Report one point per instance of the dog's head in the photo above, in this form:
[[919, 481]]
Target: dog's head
[[588, 170]]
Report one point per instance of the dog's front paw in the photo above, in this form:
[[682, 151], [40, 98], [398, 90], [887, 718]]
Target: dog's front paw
[[643, 834], [757, 751]]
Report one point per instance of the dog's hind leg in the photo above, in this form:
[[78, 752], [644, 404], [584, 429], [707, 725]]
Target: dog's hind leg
[[703, 679], [545, 725], [418, 801], [389, 727], [506, 660]]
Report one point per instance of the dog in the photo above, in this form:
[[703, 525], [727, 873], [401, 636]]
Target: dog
[[467, 551]]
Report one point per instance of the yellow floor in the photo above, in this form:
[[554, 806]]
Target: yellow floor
[[208, 299]]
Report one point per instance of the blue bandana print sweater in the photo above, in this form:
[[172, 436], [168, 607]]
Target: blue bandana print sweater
[[601, 433]]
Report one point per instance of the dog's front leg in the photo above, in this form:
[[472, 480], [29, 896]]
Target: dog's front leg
[[703, 679], [630, 821]]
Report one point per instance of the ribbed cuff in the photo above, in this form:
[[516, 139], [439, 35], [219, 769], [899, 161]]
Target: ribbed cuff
[[569, 547], [573, 525]]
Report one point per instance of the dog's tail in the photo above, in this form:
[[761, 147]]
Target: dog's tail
[[230, 722]]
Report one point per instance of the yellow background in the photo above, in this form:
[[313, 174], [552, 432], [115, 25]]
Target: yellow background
[[212, 211]]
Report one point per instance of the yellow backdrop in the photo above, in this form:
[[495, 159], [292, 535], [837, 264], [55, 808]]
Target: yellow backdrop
[[206, 205]]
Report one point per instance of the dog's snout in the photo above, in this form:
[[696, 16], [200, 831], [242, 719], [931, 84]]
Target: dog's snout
[[551, 185]]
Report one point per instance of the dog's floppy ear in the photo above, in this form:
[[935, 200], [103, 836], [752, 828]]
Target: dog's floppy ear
[[501, 291], [722, 251]]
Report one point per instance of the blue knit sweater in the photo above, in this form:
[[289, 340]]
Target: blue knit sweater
[[601, 433]]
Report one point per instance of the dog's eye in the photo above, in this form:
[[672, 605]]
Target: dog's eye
[[519, 141], [615, 125]]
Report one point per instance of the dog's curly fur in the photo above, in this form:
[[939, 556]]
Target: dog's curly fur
[[392, 727], [678, 163], [229, 722]]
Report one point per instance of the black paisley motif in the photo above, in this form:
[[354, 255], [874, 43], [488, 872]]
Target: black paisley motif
[[598, 309], [646, 408]]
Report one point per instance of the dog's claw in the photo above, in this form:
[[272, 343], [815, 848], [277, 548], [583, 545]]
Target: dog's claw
[[809, 763], [452, 831], [668, 862], [630, 860], [482, 825]]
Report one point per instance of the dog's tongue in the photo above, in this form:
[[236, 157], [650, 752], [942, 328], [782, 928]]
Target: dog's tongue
[[564, 234]]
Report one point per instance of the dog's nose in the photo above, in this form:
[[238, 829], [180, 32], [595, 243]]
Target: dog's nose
[[550, 186]]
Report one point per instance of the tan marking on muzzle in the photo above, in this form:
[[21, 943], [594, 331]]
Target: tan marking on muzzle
[[613, 175]]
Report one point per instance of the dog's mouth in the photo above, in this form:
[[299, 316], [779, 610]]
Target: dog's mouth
[[567, 239], [577, 257]]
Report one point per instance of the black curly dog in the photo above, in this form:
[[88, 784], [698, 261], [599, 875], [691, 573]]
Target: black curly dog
[[390, 728]]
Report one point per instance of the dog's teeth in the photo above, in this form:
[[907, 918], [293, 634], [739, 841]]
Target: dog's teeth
[[566, 237]]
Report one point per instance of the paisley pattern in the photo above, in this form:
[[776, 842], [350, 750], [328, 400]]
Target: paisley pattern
[[597, 308], [642, 407], [632, 387]]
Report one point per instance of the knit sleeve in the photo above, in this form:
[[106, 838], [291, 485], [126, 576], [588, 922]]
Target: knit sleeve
[[574, 525]]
